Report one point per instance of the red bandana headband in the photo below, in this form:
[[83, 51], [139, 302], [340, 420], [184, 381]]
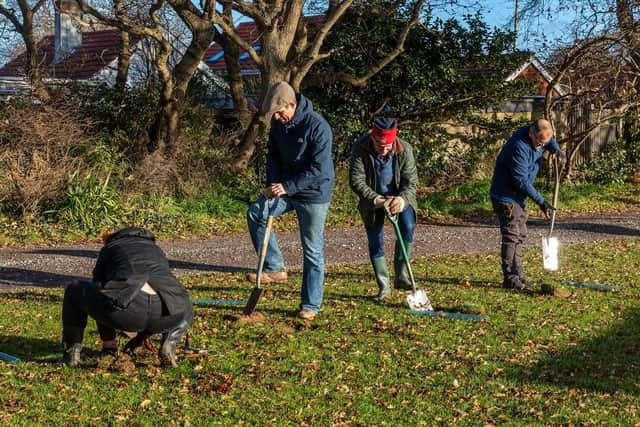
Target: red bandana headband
[[384, 137]]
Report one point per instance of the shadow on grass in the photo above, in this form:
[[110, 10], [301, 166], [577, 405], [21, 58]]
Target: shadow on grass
[[30, 349], [605, 364], [35, 296], [627, 200]]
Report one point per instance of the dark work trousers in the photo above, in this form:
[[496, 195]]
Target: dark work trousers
[[375, 233], [146, 313], [513, 228]]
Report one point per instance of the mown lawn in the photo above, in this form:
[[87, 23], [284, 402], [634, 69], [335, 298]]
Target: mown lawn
[[538, 359]]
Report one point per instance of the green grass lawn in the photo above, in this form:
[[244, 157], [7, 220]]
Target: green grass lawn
[[538, 360]]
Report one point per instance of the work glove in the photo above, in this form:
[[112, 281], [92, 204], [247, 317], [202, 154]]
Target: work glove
[[562, 158], [378, 202], [547, 208], [394, 205]]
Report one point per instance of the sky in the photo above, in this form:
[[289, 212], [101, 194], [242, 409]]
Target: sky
[[500, 13]]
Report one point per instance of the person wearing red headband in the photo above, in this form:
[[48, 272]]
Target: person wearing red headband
[[382, 172]]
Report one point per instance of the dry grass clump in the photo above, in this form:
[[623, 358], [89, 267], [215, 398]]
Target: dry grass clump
[[40, 146]]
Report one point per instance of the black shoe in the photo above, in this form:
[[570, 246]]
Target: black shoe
[[109, 350], [71, 355], [514, 284]]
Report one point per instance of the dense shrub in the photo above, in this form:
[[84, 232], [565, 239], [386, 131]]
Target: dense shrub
[[616, 163]]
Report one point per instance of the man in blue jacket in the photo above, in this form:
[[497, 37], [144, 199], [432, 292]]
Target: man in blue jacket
[[515, 171], [300, 177]]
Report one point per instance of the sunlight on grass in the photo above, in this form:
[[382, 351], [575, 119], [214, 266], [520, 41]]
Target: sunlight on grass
[[537, 360]]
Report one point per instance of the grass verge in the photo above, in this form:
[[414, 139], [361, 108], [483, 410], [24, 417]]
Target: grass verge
[[538, 360], [221, 213]]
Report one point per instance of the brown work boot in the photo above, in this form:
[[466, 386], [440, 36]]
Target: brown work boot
[[269, 277], [307, 314]]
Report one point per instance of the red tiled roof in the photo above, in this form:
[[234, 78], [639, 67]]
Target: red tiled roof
[[248, 32], [98, 49]]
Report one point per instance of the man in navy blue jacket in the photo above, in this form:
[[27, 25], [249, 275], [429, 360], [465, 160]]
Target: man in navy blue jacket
[[515, 171], [300, 177]]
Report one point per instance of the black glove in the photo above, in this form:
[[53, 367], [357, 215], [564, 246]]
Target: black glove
[[547, 208]]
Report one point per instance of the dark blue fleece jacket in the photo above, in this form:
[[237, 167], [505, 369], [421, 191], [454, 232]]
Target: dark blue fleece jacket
[[299, 155], [517, 167]]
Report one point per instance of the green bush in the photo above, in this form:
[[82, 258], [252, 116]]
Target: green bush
[[90, 204], [614, 164]]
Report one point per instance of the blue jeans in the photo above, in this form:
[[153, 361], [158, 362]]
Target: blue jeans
[[375, 233], [311, 219]]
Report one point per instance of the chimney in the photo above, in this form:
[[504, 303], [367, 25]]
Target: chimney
[[68, 36]]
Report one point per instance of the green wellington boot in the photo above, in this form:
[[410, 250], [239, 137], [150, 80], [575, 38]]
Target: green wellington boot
[[382, 277], [401, 280]]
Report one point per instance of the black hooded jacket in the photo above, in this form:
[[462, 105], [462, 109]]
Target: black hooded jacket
[[131, 256]]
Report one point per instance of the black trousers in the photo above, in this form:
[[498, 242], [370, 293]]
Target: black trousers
[[146, 313], [513, 229]]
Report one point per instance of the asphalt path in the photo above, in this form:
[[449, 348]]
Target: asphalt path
[[56, 265]]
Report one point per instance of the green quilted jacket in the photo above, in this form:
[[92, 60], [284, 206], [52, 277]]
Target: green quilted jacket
[[362, 175]]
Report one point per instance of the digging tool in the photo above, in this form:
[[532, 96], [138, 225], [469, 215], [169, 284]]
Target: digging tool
[[451, 315], [550, 244], [256, 293], [596, 286], [208, 302], [190, 351], [417, 300], [9, 358]]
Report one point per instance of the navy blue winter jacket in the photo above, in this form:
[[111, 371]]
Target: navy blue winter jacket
[[517, 167], [299, 155]]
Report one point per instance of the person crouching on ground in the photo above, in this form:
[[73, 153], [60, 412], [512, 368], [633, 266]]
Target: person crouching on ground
[[133, 289], [515, 171], [382, 172]]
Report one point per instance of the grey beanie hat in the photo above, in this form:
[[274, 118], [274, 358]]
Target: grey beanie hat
[[278, 97]]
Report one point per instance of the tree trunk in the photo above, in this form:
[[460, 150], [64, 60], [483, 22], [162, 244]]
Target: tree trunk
[[33, 65], [235, 80], [247, 146], [124, 59]]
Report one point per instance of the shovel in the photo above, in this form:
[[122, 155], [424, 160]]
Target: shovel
[[256, 293], [550, 244], [418, 300]]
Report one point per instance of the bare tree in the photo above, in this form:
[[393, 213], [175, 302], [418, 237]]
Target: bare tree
[[288, 50], [21, 14], [599, 67], [174, 78]]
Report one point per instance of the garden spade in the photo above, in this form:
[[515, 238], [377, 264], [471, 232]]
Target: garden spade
[[550, 244], [256, 293], [417, 300]]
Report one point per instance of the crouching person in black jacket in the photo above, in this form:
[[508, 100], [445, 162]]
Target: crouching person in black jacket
[[133, 289]]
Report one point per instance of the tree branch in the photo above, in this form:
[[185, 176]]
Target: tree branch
[[383, 62]]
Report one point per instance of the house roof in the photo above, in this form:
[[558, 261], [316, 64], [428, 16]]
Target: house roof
[[249, 32], [531, 69], [98, 49]]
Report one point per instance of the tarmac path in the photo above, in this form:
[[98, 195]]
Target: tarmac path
[[49, 266]]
